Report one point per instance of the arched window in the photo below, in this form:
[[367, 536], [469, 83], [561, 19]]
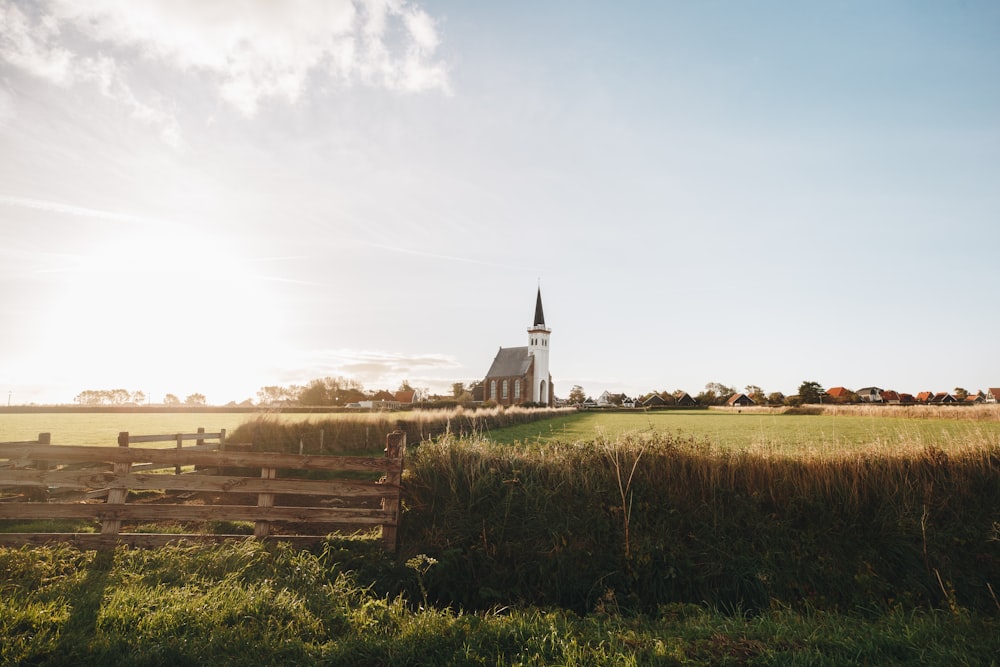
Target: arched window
[[517, 389], [493, 390], [505, 389]]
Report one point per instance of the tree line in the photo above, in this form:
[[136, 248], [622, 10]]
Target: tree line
[[716, 393], [92, 397]]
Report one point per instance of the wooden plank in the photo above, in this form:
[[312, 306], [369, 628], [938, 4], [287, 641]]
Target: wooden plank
[[147, 540], [173, 437], [132, 512], [202, 458], [117, 495], [262, 528], [395, 447], [83, 479]]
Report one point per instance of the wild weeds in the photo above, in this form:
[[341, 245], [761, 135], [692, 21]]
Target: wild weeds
[[365, 432], [661, 519]]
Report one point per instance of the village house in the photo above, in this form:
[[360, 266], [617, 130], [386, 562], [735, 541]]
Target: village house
[[740, 400], [869, 395]]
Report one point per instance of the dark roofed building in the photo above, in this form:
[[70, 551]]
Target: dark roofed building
[[740, 400], [654, 401], [521, 374], [685, 399]]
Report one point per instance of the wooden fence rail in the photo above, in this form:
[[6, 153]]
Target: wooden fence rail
[[263, 487]]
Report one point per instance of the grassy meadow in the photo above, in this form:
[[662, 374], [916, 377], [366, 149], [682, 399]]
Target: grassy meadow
[[102, 428], [833, 431], [667, 538]]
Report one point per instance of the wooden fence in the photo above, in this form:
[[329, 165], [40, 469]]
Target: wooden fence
[[292, 492]]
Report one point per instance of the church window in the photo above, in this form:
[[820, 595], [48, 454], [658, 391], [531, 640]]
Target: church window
[[493, 390], [505, 389], [517, 389]]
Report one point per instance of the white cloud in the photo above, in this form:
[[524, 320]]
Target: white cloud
[[33, 45], [28, 45], [253, 50], [371, 368]]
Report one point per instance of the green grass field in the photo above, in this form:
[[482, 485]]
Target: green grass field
[[785, 433], [782, 433], [102, 428]]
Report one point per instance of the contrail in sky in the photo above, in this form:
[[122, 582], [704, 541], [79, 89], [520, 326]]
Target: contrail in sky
[[450, 258], [69, 209]]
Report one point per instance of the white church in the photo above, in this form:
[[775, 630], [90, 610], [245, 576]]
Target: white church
[[521, 374]]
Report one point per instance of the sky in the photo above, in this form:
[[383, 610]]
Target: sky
[[217, 197]]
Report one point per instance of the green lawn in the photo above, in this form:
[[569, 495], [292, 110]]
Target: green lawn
[[779, 432], [102, 428]]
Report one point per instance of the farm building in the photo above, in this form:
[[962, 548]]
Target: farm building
[[839, 393], [654, 401], [869, 395], [740, 400], [683, 398], [521, 374]]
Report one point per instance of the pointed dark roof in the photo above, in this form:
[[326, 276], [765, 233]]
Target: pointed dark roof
[[539, 315], [510, 362]]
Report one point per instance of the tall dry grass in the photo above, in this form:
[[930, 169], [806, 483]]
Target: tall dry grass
[[652, 519], [366, 432], [981, 412]]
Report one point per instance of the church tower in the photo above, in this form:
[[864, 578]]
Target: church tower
[[538, 348]]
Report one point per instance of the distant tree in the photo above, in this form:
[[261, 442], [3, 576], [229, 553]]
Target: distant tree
[[811, 392], [721, 390], [86, 397], [108, 397], [715, 393], [195, 399], [457, 389], [960, 394], [577, 395], [756, 393], [274, 395], [319, 392], [405, 386], [350, 395], [171, 399], [315, 393], [668, 398], [775, 398], [118, 396]]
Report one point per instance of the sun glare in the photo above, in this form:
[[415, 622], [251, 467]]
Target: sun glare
[[166, 312]]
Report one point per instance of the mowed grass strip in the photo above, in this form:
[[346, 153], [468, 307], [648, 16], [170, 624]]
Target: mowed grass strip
[[762, 432]]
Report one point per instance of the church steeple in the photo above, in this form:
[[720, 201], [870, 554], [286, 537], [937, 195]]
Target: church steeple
[[539, 315], [538, 349]]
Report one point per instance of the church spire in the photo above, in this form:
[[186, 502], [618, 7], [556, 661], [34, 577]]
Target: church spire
[[539, 315]]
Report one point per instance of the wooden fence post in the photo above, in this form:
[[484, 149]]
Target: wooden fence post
[[395, 447], [180, 445], [41, 493], [263, 528], [118, 494]]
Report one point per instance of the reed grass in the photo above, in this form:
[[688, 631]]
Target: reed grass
[[564, 524], [980, 412], [366, 432]]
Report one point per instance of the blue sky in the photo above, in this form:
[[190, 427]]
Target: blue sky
[[216, 198]]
